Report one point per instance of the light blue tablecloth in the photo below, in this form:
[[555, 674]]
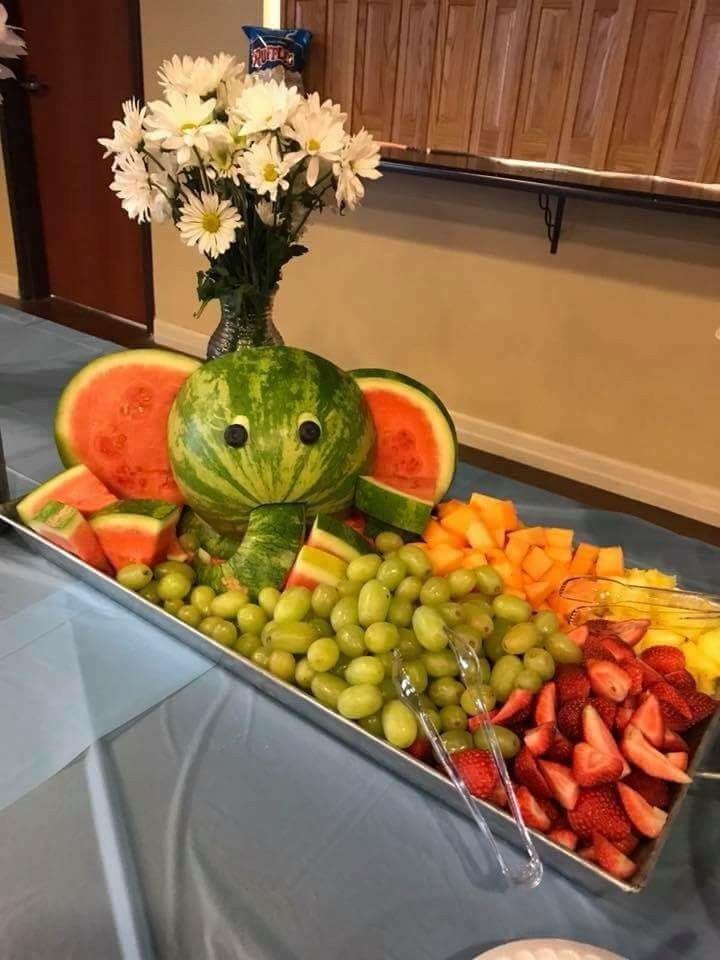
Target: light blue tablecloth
[[216, 824]]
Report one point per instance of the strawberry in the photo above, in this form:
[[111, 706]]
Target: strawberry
[[595, 649], [579, 635], [531, 811], [655, 791], [477, 769], [566, 838], [571, 684], [682, 680], [590, 767], [599, 810], [546, 704], [420, 749], [587, 853], [498, 795], [597, 735], [637, 677], [630, 631], [560, 749], [611, 859], [678, 758], [561, 782], [551, 810], [646, 819], [539, 739], [570, 718], [675, 709], [601, 628], [527, 772], [608, 680], [664, 659], [648, 718], [701, 706], [644, 755], [624, 714], [515, 709], [673, 741], [607, 710], [619, 651], [627, 844]]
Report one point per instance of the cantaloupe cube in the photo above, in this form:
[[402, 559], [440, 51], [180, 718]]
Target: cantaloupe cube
[[508, 573], [473, 559], [583, 560], [535, 535], [511, 521], [493, 511], [436, 533], [445, 558], [561, 606], [557, 573], [536, 563], [559, 554], [499, 537], [559, 537], [516, 592], [446, 506], [538, 592], [516, 549], [480, 537], [610, 562], [459, 519]]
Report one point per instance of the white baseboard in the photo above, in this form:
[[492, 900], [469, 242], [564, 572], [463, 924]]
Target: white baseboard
[[684, 497], [8, 284]]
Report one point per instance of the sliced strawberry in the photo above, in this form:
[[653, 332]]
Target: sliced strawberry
[[601, 628], [678, 758], [571, 683], [498, 795], [527, 772], [637, 677], [560, 749], [590, 767], [664, 659], [682, 680], [539, 739], [619, 651], [595, 648], [599, 809], [579, 635], [570, 718], [607, 710], [420, 749], [650, 674], [644, 755], [624, 714], [628, 843], [675, 709], [611, 859], [587, 853], [701, 706], [631, 631], [514, 709], [562, 783], [552, 811], [655, 791], [477, 768], [648, 718], [597, 735], [566, 838], [673, 741], [646, 819], [531, 811], [546, 704], [608, 680]]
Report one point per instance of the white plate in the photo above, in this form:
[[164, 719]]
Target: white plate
[[547, 950]]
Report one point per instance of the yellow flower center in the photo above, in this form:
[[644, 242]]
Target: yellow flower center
[[223, 161], [270, 172], [312, 145], [187, 126], [210, 222]]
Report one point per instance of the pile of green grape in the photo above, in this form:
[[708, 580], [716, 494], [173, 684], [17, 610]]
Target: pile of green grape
[[336, 642]]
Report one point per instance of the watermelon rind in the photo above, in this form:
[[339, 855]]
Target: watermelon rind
[[431, 405], [384, 503], [335, 537], [214, 543], [150, 523], [71, 487], [66, 527], [159, 511], [313, 566]]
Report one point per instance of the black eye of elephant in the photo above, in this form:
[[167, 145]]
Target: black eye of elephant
[[236, 435], [309, 432]]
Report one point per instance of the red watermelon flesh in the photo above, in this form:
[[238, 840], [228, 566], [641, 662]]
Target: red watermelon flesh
[[136, 531], [67, 528], [112, 416], [76, 487]]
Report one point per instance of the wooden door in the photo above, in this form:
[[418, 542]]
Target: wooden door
[[376, 61], [310, 15], [83, 52], [602, 45], [552, 37], [691, 150], [418, 30], [341, 36], [647, 86], [501, 59]]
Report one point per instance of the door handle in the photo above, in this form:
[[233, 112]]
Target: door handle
[[33, 84]]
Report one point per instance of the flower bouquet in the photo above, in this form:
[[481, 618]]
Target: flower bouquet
[[238, 162]]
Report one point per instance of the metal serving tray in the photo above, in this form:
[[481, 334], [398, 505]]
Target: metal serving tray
[[397, 761]]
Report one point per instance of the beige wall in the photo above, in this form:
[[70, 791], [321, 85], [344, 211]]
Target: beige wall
[[8, 266]]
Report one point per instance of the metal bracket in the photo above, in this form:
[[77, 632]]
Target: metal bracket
[[553, 222]]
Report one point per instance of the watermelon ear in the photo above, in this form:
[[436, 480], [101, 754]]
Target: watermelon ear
[[416, 441]]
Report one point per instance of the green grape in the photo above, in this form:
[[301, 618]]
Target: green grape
[[348, 588], [408, 589], [351, 640], [493, 642], [520, 638], [540, 661], [207, 625], [322, 626], [247, 644], [381, 637], [508, 741], [323, 654], [451, 613], [387, 689], [480, 601], [489, 580], [373, 724], [326, 688], [434, 591], [484, 669], [359, 701], [511, 608], [173, 586], [344, 613], [341, 666], [189, 541], [468, 701], [174, 566], [387, 541], [292, 637], [456, 740], [444, 691], [391, 573], [440, 663], [268, 599], [461, 583], [324, 597], [172, 606], [399, 724], [189, 614], [282, 664], [225, 633], [504, 674], [386, 659], [487, 695], [430, 710], [227, 605], [470, 637], [528, 680], [545, 622], [429, 628], [293, 605], [261, 657], [364, 568], [452, 717], [417, 673], [415, 560], [400, 612], [202, 597], [373, 603], [477, 619], [304, 674], [365, 670], [562, 649], [134, 576], [408, 644], [251, 618]]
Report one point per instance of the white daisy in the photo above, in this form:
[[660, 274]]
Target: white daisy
[[188, 75], [359, 158], [264, 169], [266, 212], [224, 162], [230, 79], [208, 223], [182, 123], [319, 131], [11, 45], [265, 106], [128, 133], [138, 190]]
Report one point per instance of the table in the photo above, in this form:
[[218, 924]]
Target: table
[[216, 824]]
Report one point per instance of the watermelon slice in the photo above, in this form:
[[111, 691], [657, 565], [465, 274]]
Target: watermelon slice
[[416, 447], [67, 528], [77, 487], [112, 416], [335, 537], [136, 531], [314, 566], [385, 503]]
